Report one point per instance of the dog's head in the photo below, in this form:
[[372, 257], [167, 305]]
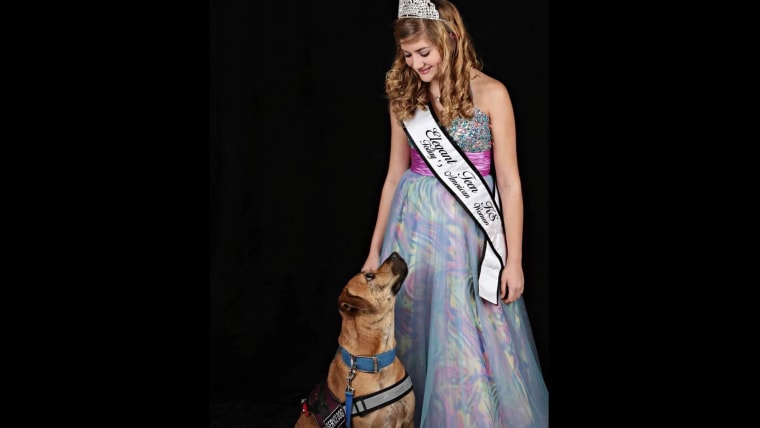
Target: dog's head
[[375, 291]]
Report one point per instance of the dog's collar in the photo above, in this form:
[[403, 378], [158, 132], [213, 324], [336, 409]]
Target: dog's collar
[[371, 364]]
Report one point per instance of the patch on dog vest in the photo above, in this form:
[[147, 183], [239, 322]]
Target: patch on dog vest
[[326, 409]]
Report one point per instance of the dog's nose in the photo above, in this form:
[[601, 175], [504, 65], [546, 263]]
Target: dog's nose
[[369, 276]]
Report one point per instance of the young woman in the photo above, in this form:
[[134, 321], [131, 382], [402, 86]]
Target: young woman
[[469, 351]]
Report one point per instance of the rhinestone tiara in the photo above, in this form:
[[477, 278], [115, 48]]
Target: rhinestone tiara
[[417, 9]]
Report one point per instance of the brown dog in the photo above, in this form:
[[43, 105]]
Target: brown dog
[[382, 393]]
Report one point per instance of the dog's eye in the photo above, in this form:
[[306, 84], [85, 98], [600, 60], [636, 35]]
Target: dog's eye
[[369, 276]]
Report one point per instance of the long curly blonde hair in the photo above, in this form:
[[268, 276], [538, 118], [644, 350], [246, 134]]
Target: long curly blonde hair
[[403, 86]]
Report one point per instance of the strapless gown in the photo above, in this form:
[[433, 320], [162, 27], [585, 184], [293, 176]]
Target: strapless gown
[[473, 364]]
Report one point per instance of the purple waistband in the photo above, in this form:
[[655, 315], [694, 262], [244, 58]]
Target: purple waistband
[[481, 160]]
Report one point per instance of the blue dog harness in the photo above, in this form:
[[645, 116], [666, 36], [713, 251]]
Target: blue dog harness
[[331, 413]]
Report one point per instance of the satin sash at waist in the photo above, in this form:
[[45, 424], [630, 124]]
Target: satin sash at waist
[[481, 160]]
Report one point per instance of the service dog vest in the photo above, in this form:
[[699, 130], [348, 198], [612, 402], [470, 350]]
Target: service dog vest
[[463, 180], [329, 412]]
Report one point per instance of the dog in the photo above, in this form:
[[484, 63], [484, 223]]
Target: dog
[[378, 387]]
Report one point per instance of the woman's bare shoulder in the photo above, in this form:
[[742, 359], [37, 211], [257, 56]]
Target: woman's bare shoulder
[[487, 91]]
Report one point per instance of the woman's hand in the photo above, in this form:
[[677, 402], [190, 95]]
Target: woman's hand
[[373, 261], [512, 283]]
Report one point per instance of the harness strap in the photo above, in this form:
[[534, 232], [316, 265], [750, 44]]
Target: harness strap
[[329, 412], [384, 397]]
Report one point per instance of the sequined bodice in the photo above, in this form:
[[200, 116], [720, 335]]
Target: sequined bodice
[[471, 135]]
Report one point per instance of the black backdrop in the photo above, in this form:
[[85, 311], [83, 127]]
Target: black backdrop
[[298, 151]]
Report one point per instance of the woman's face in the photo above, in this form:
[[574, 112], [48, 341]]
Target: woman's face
[[423, 57]]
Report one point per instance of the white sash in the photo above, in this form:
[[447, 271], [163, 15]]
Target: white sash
[[454, 170]]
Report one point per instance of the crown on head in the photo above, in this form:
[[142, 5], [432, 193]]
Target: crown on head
[[417, 9]]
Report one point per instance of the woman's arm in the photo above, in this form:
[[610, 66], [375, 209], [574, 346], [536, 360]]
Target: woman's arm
[[397, 165], [496, 98]]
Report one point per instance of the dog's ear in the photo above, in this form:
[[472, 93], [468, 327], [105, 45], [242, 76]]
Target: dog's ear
[[398, 267], [399, 282]]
